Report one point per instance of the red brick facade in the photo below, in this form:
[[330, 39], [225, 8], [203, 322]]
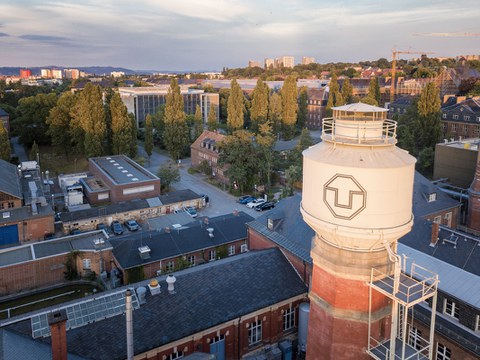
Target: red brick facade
[[235, 333], [205, 148]]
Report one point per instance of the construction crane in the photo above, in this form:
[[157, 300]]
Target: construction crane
[[394, 65], [454, 34]]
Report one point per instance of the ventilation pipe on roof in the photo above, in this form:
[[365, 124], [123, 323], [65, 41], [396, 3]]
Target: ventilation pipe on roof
[[210, 232], [171, 283], [128, 313]]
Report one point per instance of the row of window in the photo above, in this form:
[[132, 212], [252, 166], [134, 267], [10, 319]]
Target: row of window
[[415, 340], [456, 117], [191, 259], [255, 328], [9, 205], [451, 309]]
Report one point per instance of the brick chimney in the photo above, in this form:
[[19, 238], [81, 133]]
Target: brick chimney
[[435, 230], [58, 328]]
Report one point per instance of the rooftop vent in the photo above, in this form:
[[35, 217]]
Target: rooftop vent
[[112, 161], [129, 175], [124, 171], [6, 215], [210, 232], [99, 242], [108, 158], [141, 291], [171, 283], [144, 252], [120, 168], [176, 226], [134, 179], [167, 229], [154, 287]]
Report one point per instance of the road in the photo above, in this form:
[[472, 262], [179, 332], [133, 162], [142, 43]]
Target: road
[[220, 202]]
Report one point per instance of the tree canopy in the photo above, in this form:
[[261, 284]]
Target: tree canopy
[[259, 108], [121, 126], [289, 107], [175, 136]]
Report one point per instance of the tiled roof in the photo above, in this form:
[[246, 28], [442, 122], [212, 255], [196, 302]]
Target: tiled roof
[[205, 296], [210, 135], [422, 187], [193, 237], [291, 232], [9, 182]]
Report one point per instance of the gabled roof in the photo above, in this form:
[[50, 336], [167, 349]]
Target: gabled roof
[[205, 296], [9, 181], [3, 112], [422, 187], [213, 136], [188, 239], [290, 231], [470, 105]]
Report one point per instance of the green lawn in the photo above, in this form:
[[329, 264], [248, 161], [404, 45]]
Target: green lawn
[[44, 299]]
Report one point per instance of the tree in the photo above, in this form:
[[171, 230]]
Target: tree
[[168, 175], [30, 123], [292, 175], [121, 126], [212, 119], [259, 108], [374, 90], [335, 97], [224, 94], [302, 108], [428, 121], [59, 122], [175, 136], [133, 142], [275, 112], [148, 136], [158, 120], [475, 91], [347, 91], [369, 100], [238, 151], [89, 113], [235, 107], [289, 107], [198, 122], [34, 151], [265, 152], [304, 142], [425, 161], [5, 149]]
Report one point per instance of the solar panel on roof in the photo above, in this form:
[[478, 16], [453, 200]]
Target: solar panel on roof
[[85, 312]]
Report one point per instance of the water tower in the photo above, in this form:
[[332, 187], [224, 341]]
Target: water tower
[[357, 197]]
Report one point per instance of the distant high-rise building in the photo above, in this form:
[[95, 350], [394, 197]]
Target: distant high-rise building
[[25, 73], [307, 60], [269, 63], [286, 61], [72, 73], [254, 63], [117, 74], [57, 73], [46, 73]]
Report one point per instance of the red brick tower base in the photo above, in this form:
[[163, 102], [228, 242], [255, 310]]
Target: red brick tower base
[[339, 304], [473, 217]]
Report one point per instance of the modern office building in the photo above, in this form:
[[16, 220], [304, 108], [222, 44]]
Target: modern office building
[[308, 60], [286, 61], [142, 101], [254, 63], [25, 73]]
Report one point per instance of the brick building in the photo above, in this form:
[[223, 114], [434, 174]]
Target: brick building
[[25, 214], [316, 107], [173, 248], [233, 307], [41, 264], [205, 149], [126, 179], [461, 120]]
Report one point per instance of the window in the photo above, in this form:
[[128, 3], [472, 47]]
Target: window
[[448, 219], [86, 264], [212, 255], [443, 353], [432, 197], [175, 355], [191, 260], [170, 266], [11, 205], [466, 117], [450, 308], [288, 318], [454, 127], [455, 117], [254, 332], [415, 338], [231, 250], [437, 219], [444, 115], [477, 323]]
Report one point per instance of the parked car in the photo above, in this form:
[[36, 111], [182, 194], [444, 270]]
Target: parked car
[[265, 206], [117, 228], [132, 225], [190, 211], [255, 202], [245, 199]]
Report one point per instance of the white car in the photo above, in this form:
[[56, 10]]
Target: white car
[[254, 203]]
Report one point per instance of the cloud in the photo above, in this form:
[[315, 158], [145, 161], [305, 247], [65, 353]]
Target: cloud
[[44, 38], [3, 34]]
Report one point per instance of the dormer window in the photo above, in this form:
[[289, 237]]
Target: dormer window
[[432, 197], [270, 224]]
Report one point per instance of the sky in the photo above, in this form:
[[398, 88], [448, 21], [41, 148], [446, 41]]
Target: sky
[[212, 34]]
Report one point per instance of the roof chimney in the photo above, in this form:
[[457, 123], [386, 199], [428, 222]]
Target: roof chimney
[[128, 313], [58, 328], [171, 283], [210, 232], [435, 230], [154, 287]]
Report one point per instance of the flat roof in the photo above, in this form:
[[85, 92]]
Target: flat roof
[[154, 91], [121, 170], [467, 144]]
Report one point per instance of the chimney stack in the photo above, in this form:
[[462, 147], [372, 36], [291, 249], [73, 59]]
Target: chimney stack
[[58, 328], [435, 230], [128, 313], [171, 283]]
